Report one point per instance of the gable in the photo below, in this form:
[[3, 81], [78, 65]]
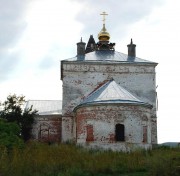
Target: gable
[[111, 92]]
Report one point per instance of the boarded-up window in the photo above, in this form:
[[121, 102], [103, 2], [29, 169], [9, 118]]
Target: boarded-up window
[[44, 130], [144, 133], [90, 135], [47, 134], [119, 132]]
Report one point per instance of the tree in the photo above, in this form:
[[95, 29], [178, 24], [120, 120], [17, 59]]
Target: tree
[[9, 134], [13, 111]]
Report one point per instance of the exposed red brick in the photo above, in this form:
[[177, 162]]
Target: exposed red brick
[[90, 135]]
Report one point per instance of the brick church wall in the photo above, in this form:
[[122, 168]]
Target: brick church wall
[[47, 128]]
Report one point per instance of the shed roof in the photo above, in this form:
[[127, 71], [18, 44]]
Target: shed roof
[[109, 56], [111, 93], [45, 107]]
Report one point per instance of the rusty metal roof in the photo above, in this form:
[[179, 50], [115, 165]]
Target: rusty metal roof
[[45, 107], [109, 56], [109, 93]]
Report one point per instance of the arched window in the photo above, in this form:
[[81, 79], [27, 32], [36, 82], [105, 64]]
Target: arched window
[[119, 132]]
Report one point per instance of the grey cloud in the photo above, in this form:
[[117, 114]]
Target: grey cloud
[[121, 14], [8, 61], [11, 21], [47, 62], [51, 58], [12, 26]]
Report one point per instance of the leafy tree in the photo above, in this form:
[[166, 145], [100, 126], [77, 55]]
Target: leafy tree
[[14, 112], [9, 134]]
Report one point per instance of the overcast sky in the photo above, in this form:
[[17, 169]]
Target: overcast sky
[[36, 34]]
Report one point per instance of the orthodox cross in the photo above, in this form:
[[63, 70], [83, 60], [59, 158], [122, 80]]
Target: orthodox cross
[[104, 16]]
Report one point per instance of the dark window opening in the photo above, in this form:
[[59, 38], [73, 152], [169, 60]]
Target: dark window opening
[[119, 132]]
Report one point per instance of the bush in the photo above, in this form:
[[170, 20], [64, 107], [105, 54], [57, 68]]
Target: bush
[[9, 135]]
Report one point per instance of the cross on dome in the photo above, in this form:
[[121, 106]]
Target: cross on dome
[[104, 16], [103, 35]]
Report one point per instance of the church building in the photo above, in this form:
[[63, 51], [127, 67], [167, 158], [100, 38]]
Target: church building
[[109, 98]]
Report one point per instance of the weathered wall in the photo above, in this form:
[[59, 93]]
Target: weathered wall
[[103, 120], [67, 128], [47, 128], [81, 78]]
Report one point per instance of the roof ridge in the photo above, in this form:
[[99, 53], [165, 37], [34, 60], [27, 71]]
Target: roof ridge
[[110, 91], [100, 85]]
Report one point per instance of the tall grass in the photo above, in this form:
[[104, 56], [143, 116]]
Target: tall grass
[[38, 159]]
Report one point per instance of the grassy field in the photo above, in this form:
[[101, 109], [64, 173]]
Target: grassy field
[[68, 160]]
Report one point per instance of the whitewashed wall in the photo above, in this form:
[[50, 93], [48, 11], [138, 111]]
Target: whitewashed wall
[[104, 119], [81, 78]]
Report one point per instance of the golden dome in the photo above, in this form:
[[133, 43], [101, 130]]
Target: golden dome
[[103, 34]]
